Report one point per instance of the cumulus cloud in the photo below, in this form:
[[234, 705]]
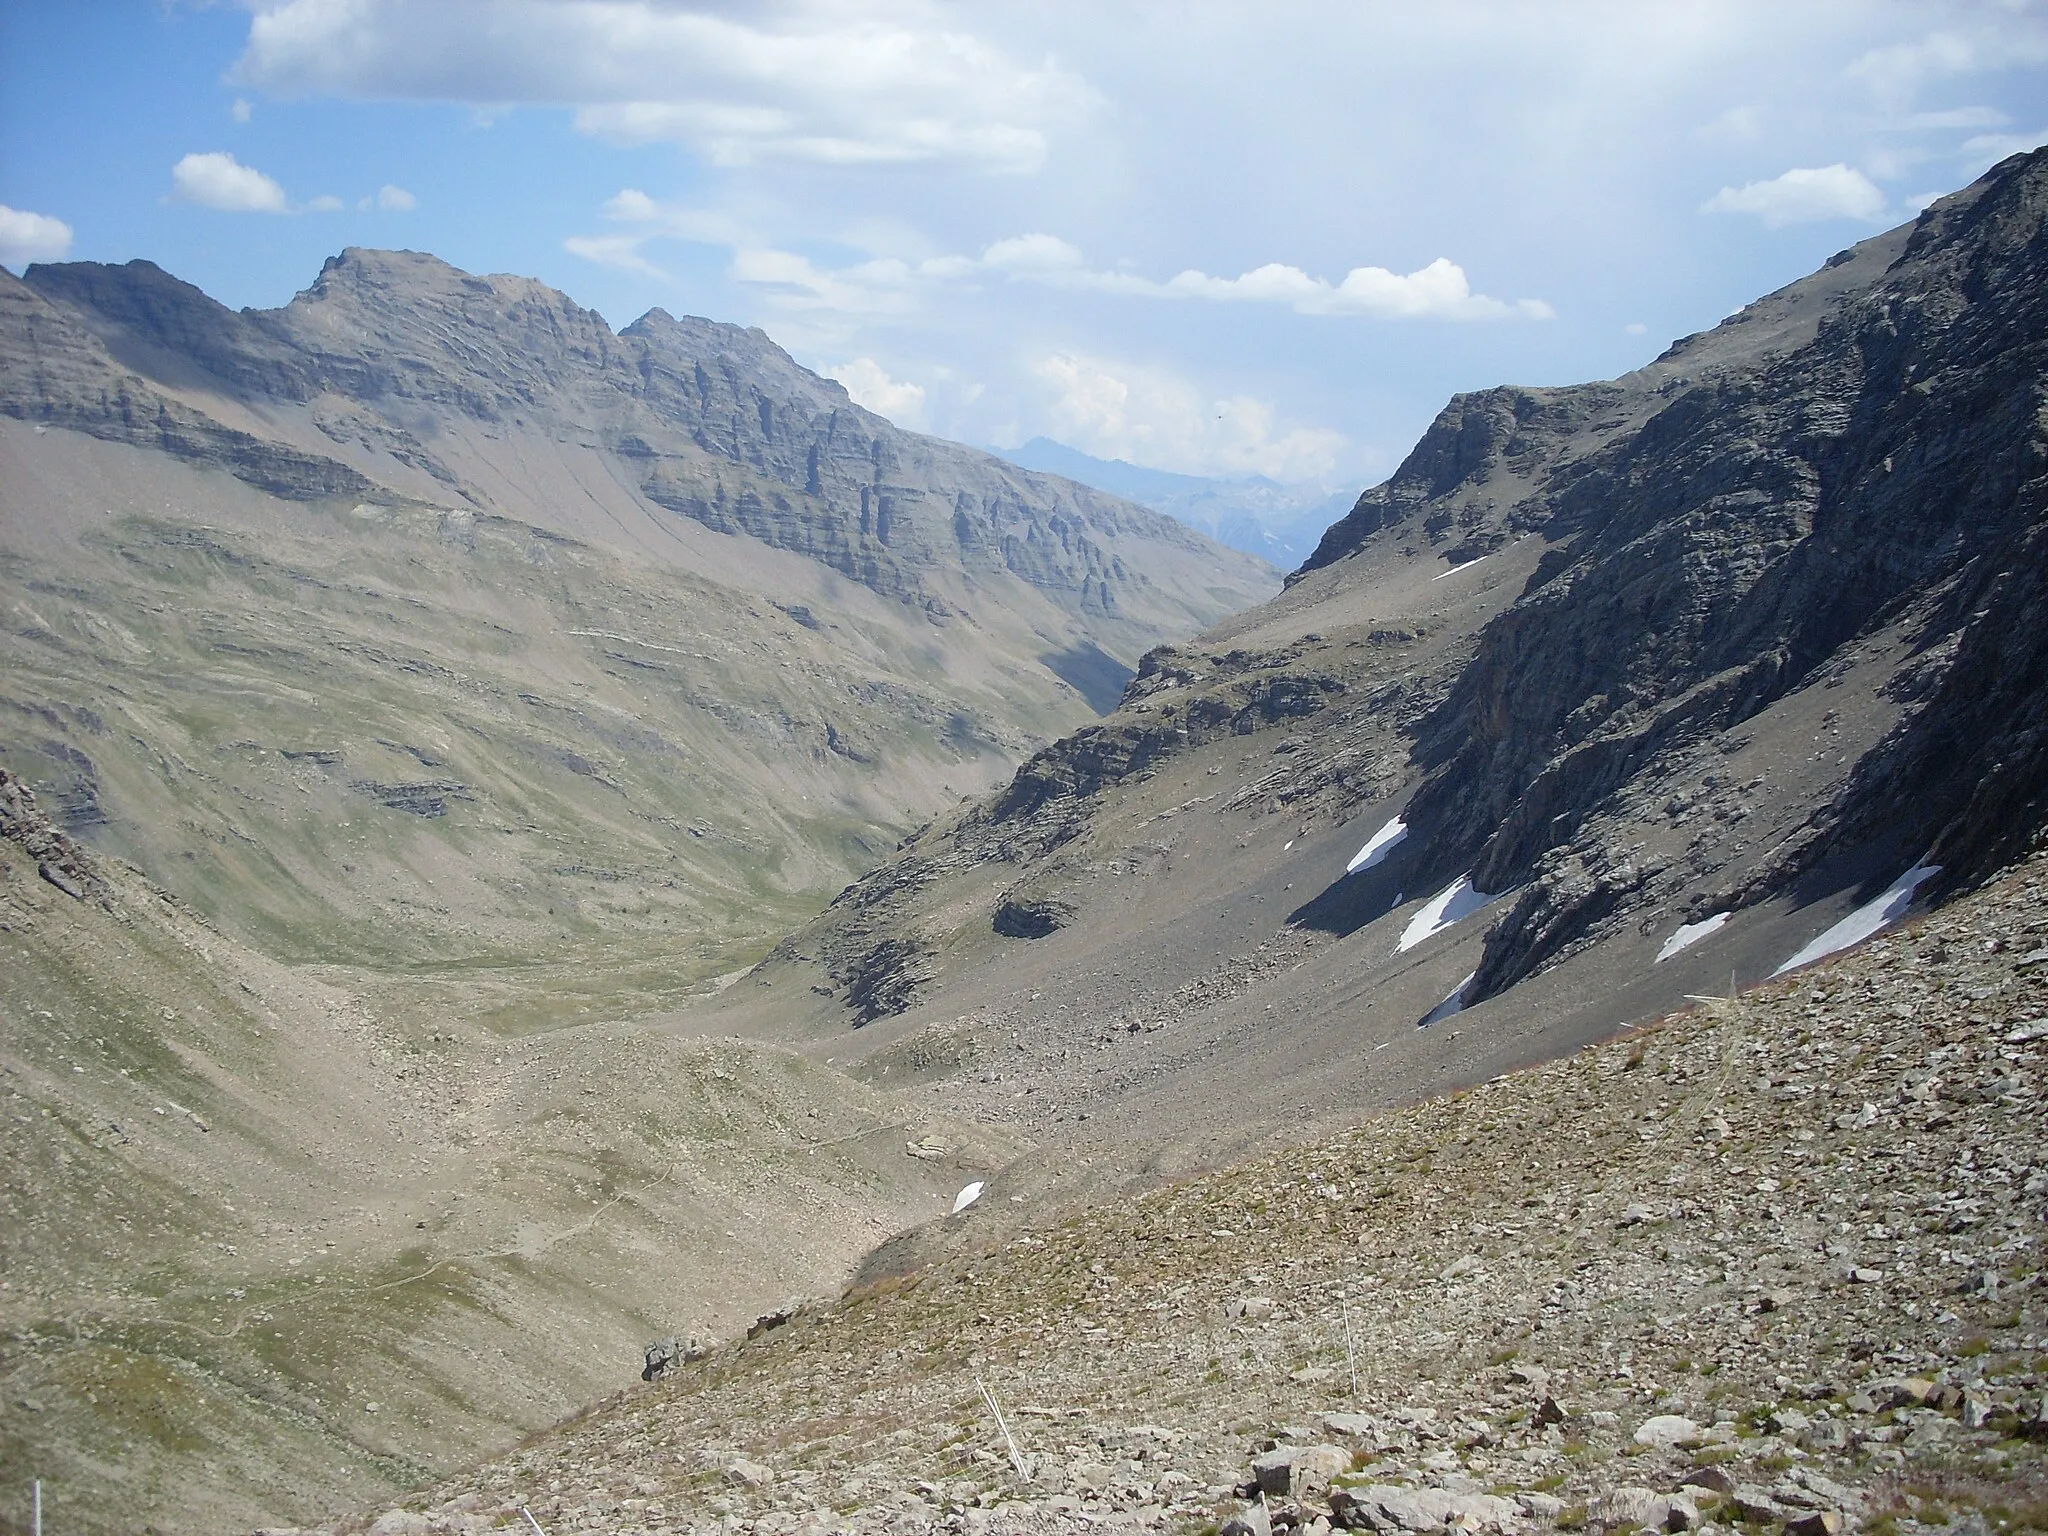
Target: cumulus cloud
[[872, 388], [1439, 291], [392, 199], [219, 180], [326, 202], [1802, 196], [1156, 417], [27, 237], [818, 83]]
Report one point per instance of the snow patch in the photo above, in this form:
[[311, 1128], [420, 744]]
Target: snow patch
[[1452, 904], [1440, 575], [1690, 934], [1455, 1003], [968, 1195], [1859, 925], [1378, 846]]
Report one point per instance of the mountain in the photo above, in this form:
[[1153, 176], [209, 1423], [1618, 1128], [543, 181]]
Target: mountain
[[1609, 697], [430, 577], [404, 694], [1260, 516], [1610, 700]]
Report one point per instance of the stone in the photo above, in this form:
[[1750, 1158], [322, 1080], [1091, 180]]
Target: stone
[[1900, 1391], [1355, 1426], [1551, 1411], [1534, 1377], [1755, 1504], [1252, 1520], [1787, 1421], [1825, 1435], [1976, 1411], [748, 1474], [399, 1522], [1294, 1470], [1819, 1522], [1629, 1509], [1666, 1431], [1715, 1479], [1386, 1507]]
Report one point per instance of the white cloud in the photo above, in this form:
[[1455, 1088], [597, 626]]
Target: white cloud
[[872, 388], [621, 251], [674, 221], [392, 199], [792, 281], [1985, 150], [1802, 196], [1155, 417], [1897, 73], [821, 82], [218, 180], [241, 110], [1034, 254], [27, 237], [327, 202], [1438, 291]]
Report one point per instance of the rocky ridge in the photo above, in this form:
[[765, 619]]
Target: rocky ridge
[[1771, 1265], [1731, 526], [400, 362]]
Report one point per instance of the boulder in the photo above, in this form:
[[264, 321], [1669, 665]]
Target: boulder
[[1386, 1507], [1667, 1430]]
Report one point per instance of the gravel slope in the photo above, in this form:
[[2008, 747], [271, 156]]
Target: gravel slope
[[1774, 1262]]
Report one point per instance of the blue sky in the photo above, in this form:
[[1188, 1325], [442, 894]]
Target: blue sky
[[1213, 238]]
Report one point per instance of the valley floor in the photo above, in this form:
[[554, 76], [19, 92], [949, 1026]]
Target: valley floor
[[1773, 1263]]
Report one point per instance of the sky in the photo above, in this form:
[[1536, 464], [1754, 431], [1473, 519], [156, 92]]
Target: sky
[[1214, 238]]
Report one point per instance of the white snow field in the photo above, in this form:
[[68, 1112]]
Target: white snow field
[[1455, 1003], [1454, 902], [1378, 846], [1859, 925], [1689, 934]]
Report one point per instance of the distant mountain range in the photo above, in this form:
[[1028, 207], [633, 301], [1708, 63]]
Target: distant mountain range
[[1262, 517]]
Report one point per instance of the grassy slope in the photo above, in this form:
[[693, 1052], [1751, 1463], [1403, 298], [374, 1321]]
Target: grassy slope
[[639, 775], [270, 1250]]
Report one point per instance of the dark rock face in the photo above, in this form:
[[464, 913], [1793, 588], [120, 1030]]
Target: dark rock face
[[1865, 449], [884, 980], [1026, 917]]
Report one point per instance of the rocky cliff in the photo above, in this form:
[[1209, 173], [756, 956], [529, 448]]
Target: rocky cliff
[[1865, 451], [389, 351]]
